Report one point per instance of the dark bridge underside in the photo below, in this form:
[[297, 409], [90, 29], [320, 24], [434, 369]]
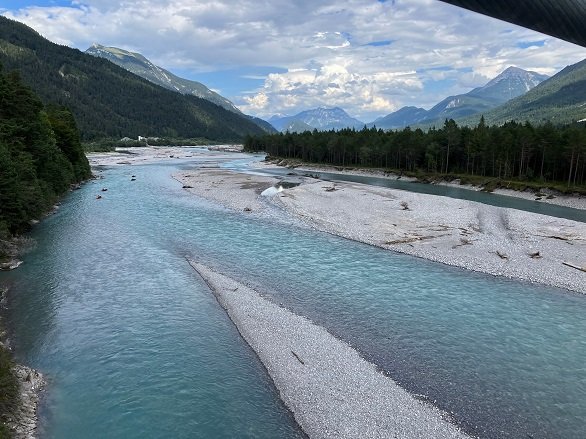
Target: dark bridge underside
[[564, 19]]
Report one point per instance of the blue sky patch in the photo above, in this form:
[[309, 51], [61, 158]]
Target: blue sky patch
[[526, 44], [19, 4], [380, 43], [231, 82]]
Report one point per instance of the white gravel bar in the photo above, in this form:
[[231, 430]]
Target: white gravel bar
[[330, 389], [494, 240]]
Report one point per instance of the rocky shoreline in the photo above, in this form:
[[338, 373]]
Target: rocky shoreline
[[22, 421]]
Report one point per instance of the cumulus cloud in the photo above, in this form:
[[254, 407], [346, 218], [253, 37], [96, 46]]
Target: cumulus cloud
[[334, 84], [367, 56]]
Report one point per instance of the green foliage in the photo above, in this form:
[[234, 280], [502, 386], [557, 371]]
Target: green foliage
[[108, 101], [40, 155], [512, 152], [68, 141]]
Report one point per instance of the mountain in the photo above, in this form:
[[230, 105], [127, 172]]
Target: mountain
[[107, 100], [400, 119], [561, 100], [139, 65], [322, 119], [297, 126], [263, 124], [280, 121], [509, 84]]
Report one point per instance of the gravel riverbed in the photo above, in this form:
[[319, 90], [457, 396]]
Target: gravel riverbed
[[466, 234], [329, 388]]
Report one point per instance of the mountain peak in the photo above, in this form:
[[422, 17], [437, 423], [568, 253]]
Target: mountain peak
[[513, 69], [141, 66], [518, 79], [510, 83], [321, 118], [560, 100], [113, 102]]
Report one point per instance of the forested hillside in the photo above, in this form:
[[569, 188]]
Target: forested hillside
[[560, 100], [513, 151], [40, 155], [141, 66], [108, 101]]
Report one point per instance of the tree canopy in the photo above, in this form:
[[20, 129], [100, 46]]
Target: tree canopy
[[511, 151], [40, 154]]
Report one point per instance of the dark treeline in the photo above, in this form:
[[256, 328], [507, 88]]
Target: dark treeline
[[512, 151], [40, 155]]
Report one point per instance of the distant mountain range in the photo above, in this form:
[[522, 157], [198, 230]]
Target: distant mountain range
[[514, 94], [509, 84], [322, 119], [108, 101], [141, 66]]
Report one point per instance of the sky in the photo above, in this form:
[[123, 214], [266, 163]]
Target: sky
[[369, 57]]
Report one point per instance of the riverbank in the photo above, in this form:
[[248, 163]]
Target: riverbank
[[153, 154], [329, 388], [544, 195], [23, 420], [466, 234], [21, 388]]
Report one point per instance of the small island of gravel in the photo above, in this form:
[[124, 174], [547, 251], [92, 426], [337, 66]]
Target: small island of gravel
[[329, 388]]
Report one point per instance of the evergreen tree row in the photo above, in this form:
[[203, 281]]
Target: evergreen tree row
[[40, 155], [512, 151]]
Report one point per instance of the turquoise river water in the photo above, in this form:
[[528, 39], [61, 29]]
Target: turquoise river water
[[135, 345]]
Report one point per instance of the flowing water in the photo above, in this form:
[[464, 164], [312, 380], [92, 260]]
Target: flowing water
[[460, 193], [135, 345]]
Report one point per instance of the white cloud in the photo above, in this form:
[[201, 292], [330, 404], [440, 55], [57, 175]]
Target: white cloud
[[335, 84], [423, 49]]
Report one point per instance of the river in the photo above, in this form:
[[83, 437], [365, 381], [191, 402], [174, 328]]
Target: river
[[134, 344]]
